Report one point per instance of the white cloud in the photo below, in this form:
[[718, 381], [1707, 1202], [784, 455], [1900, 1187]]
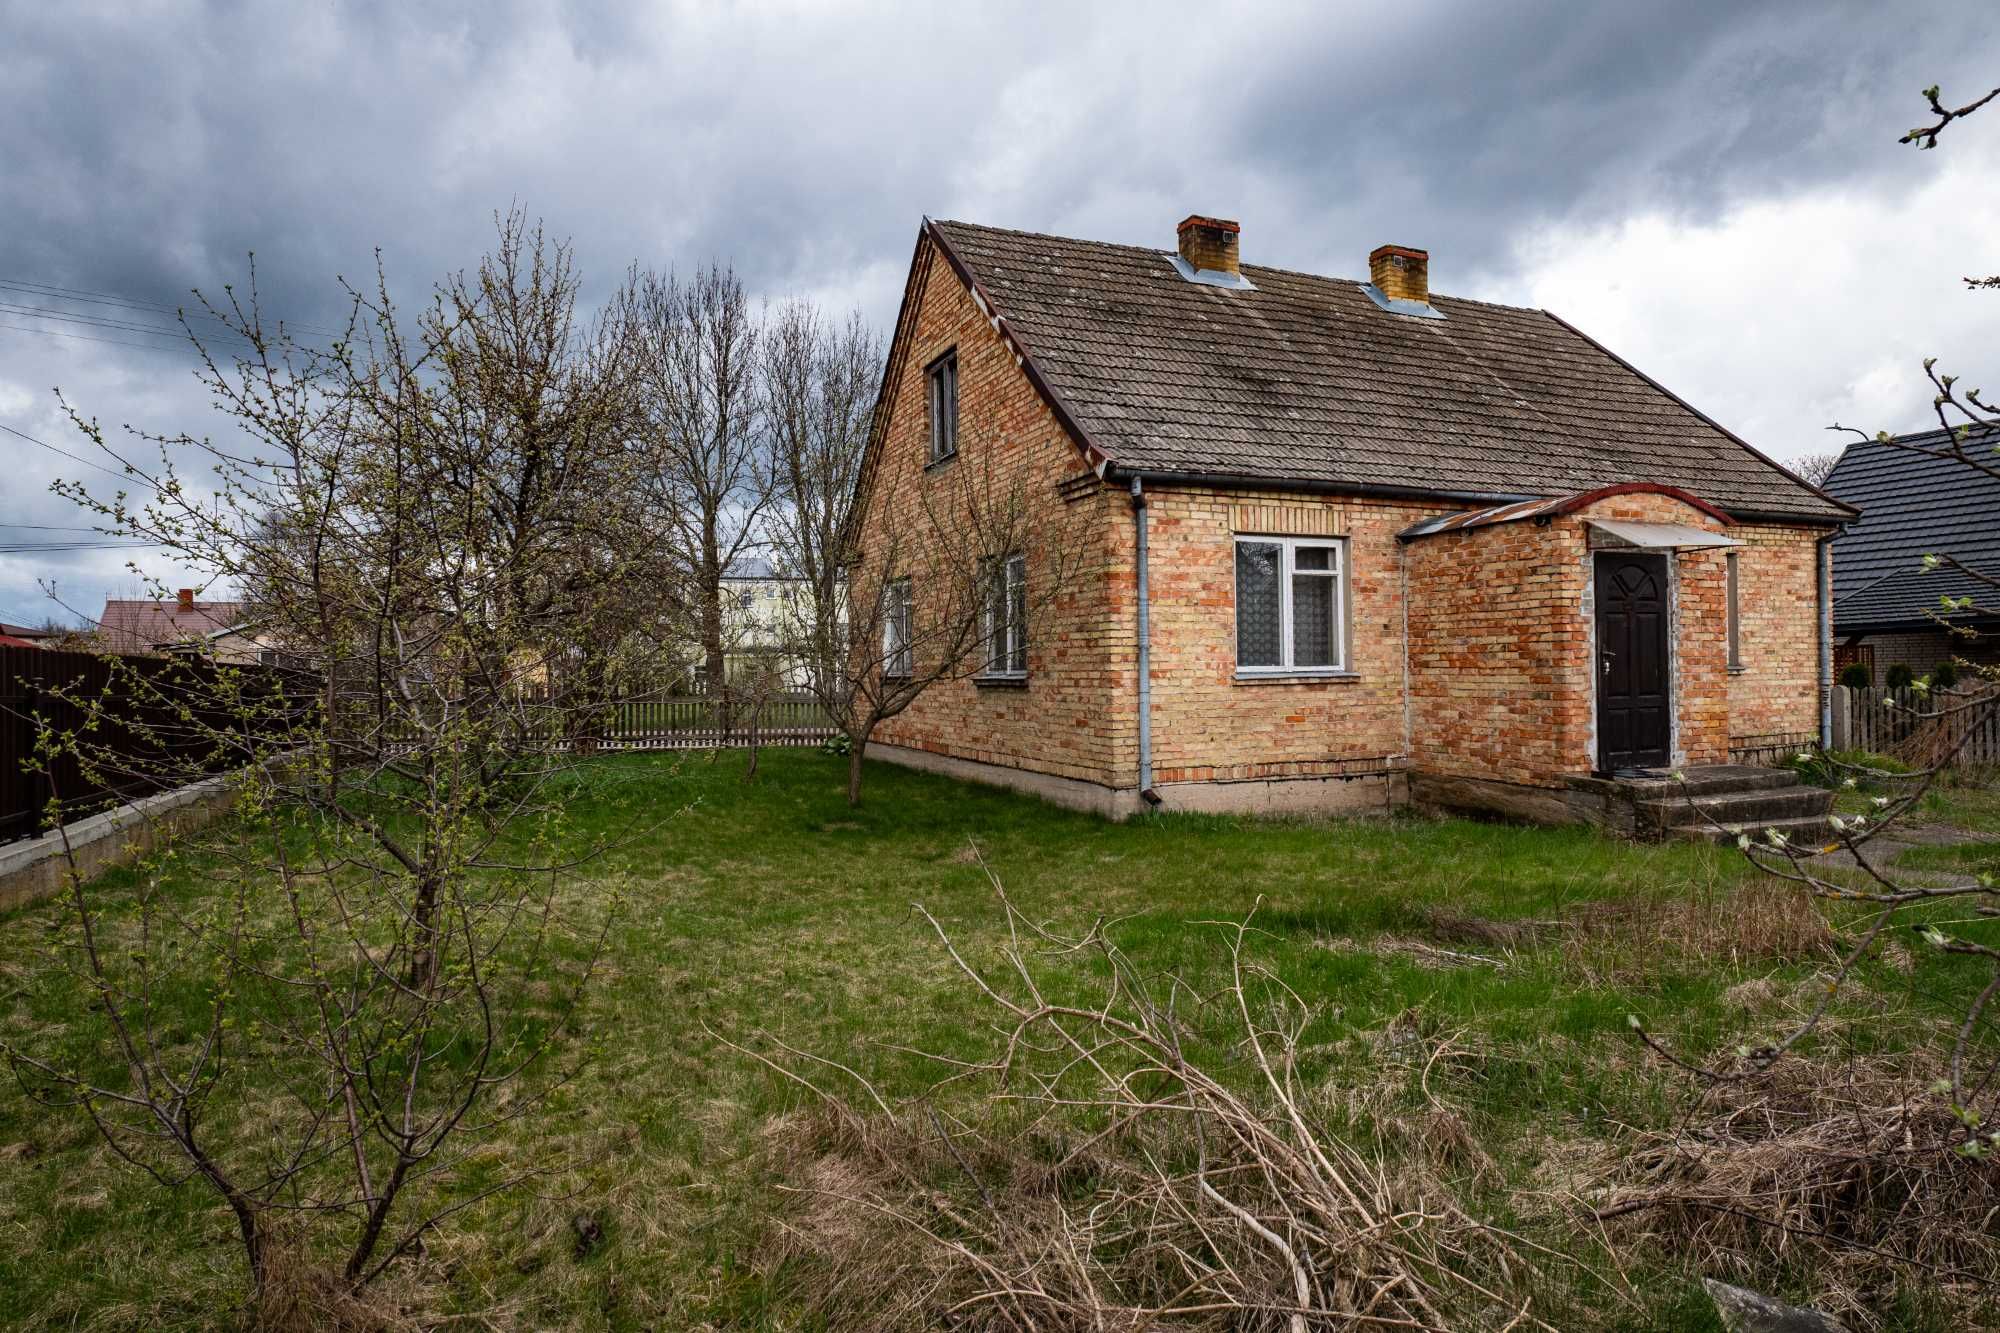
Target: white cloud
[[1784, 316]]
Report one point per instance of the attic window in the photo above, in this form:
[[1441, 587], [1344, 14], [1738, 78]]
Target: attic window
[[943, 376]]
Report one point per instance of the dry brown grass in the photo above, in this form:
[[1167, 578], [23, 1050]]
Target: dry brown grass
[[1719, 926], [1849, 1173], [1092, 1174]]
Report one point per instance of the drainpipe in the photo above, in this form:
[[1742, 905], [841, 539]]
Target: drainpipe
[[1820, 549], [1146, 791]]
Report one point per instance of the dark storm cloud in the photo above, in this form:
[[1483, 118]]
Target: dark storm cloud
[[146, 150]]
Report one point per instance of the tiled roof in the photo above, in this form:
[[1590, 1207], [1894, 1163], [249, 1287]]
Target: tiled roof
[[1912, 505], [139, 626], [1305, 380]]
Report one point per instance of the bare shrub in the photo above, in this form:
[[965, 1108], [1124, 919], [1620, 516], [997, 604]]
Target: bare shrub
[[1849, 1172], [1094, 1171]]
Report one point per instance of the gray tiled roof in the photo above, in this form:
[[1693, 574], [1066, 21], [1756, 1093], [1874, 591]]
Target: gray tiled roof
[[1912, 505], [1306, 380]]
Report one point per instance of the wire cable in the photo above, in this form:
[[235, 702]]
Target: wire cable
[[122, 476]]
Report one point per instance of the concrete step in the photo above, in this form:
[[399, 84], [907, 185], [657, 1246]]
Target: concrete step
[[1811, 831], [1737, 807], [1706, 780]]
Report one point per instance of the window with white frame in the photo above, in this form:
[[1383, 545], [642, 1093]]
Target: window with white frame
[[1290, 605], [1007, 618], [944, 406], [896, 628]]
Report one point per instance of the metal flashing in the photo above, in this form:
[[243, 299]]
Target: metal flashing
[[1419, 309], [1209, 277]]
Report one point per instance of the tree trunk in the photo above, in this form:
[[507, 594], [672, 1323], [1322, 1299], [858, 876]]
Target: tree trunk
[[854, 771], [716, 663]]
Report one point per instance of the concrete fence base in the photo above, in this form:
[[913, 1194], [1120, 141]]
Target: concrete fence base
[[33, 870]]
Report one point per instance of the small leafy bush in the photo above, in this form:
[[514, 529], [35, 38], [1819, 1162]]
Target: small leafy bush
[[1900, 677], [1856, 676]]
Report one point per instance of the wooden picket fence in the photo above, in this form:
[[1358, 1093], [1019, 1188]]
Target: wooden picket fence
[[696, 722], [1920, 729]]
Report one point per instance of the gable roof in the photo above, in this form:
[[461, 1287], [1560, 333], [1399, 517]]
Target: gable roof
[[1913, 504], [131, 625], [1305, 382]]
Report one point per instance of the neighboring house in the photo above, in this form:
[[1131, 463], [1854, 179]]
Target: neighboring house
[[1397, 544], [27, 636], [762, 608], [1886, 604], [150, 625]]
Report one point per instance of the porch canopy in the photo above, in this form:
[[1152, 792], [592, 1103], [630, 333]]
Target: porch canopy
[[1622, 533], [1605, 532]]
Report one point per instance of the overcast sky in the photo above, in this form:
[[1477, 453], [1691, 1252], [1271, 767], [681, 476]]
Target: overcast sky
[[1713, 190]]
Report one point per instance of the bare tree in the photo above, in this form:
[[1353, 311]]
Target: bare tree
[[1942, 726], [381, 954], [819, 384], [696, 357], [1817, 467], [947, 583]]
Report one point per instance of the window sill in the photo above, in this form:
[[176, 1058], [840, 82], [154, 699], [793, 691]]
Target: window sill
[[937, 463], [1019, 682], [1293, 677], [1738, 670]]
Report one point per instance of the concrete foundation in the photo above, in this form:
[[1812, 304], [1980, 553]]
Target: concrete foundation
[[34, 869], [1374, 793]]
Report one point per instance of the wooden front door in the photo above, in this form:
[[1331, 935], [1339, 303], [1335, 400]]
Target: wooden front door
[[1634, 727]]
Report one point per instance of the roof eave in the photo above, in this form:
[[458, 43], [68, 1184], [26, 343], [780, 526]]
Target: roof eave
[[1095, 455]]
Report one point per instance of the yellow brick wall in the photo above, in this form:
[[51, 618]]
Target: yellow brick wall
[[1207, 723], [1776, 694], [1073, 717]]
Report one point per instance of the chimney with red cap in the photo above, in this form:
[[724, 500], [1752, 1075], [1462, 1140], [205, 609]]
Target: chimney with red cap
[[1401, 273], [1210, 244], [186, 601]]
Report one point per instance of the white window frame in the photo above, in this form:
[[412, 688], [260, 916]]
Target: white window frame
[[1006, 636], [897, 657], [941, 392], [1288, 548]]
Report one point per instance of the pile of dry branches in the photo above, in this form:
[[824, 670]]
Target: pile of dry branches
[[1850, 1171], [1099, 1176]]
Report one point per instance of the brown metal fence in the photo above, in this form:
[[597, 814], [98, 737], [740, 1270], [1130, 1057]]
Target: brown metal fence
[[159, 722]]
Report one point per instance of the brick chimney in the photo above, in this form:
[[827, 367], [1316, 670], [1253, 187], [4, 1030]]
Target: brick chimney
[[1209, 243], [1400, 273], [186, 600]]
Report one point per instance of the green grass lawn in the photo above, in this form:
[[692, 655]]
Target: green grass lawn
[[771, 910]]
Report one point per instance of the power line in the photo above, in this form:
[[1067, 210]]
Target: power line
[[64, 548], [84, 295], [119, 325], [46, 527], [122, 476], [84, 337]]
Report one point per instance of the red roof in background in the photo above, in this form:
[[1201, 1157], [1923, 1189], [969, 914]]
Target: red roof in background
[[11, 641], [135, 626]]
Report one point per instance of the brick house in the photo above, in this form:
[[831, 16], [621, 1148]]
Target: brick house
[[1345, 544]]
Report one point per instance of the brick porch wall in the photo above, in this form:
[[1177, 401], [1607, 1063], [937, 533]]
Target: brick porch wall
[[1777, 691]]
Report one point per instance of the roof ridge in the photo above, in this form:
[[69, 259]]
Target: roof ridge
[[1154, 250]]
